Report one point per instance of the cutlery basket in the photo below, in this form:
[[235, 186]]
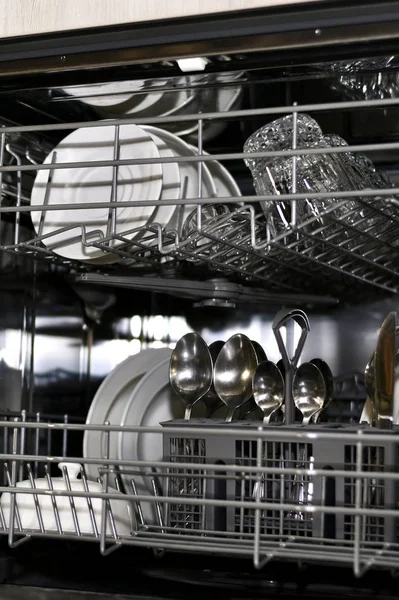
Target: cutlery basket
[[330, 482]]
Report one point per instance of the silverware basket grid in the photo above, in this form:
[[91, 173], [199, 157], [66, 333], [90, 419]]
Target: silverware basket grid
[[351, 242], [326, 493]]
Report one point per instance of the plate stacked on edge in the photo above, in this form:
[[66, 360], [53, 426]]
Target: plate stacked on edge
[[137, 392], [73, 233]]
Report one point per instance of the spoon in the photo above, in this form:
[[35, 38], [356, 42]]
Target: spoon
[[250, 408], [328, 380], [268, 389], [384, 372], [190, 370], [233, 372], [211, 400], [368, 412], [260, 353], [309, 390]]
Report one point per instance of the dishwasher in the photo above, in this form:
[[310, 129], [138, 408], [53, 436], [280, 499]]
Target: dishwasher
[[199, 282]]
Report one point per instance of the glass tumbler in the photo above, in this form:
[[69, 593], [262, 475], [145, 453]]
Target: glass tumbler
[[315, 173]]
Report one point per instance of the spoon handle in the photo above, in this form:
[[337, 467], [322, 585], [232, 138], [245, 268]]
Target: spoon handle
[[230, 414], [317, 414], [290, 363], [187, 412], [266, 418]]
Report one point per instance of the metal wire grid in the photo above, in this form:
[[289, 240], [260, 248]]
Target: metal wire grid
[[275, 489], [348, 247], [373, 528], [186, 483], [256, 538]]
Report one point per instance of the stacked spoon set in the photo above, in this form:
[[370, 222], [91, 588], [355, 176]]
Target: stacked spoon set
[[237, 374]]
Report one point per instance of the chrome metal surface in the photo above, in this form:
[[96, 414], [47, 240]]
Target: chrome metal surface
[[191, 370], [211, 399], [268, 389], [233, 372], [384, 371], [309, 390]]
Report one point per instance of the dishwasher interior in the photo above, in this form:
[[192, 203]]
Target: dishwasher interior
[[205, 246]]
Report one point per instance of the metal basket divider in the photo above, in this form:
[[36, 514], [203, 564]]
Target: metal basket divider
[[46, 195], [2, 147], [200, 169], [89, 502], [217, 518], [5, 447], [327, 454], [19, 193], [35, 499], [37, 444], [22, 446], [106, 512], [71, 501], [14, 510], [111, 224], [358, 504], [53, 499], [137, 504], [260, 480]]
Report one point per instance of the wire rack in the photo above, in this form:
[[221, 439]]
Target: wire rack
[[335, 252], [323, 494]]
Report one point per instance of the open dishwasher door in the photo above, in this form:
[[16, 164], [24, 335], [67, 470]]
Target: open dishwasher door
[[199, 282]]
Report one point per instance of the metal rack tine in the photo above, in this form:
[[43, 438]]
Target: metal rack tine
[[53, 499]]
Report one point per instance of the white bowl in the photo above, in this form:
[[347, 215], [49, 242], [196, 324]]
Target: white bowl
[[121, 509]]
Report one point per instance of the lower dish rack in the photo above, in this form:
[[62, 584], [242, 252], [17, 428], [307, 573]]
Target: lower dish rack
[[325, 494]]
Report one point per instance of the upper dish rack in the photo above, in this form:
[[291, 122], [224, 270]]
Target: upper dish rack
[[334, 252]]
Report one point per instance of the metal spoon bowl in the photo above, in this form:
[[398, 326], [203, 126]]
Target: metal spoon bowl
[[268, 388], [309, 390], [233, 372], [329, 382], [190, 370], [211, 400], [260, 353]]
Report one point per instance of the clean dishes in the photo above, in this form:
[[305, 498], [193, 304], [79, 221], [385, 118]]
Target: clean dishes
[[118, 97], [188, 174], [224, 183], [171, 185], [121, 509], [94, 184], [152, 402], [111, 400]]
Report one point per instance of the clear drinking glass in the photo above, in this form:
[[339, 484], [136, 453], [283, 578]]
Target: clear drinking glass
[[363, 175], [314, 173], [352, 224]]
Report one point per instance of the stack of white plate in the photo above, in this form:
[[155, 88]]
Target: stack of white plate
[[190, 94], [136, 393], [71, 232]]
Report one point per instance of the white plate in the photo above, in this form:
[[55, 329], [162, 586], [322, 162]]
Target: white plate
[[94, 184], [169, 103], [111, 399], [225, 183], [152, 402], [170, 186], [188, 173], [117, 97]]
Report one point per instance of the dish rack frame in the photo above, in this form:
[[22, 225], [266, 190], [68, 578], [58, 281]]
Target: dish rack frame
[[22, 455], [238, 244]]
